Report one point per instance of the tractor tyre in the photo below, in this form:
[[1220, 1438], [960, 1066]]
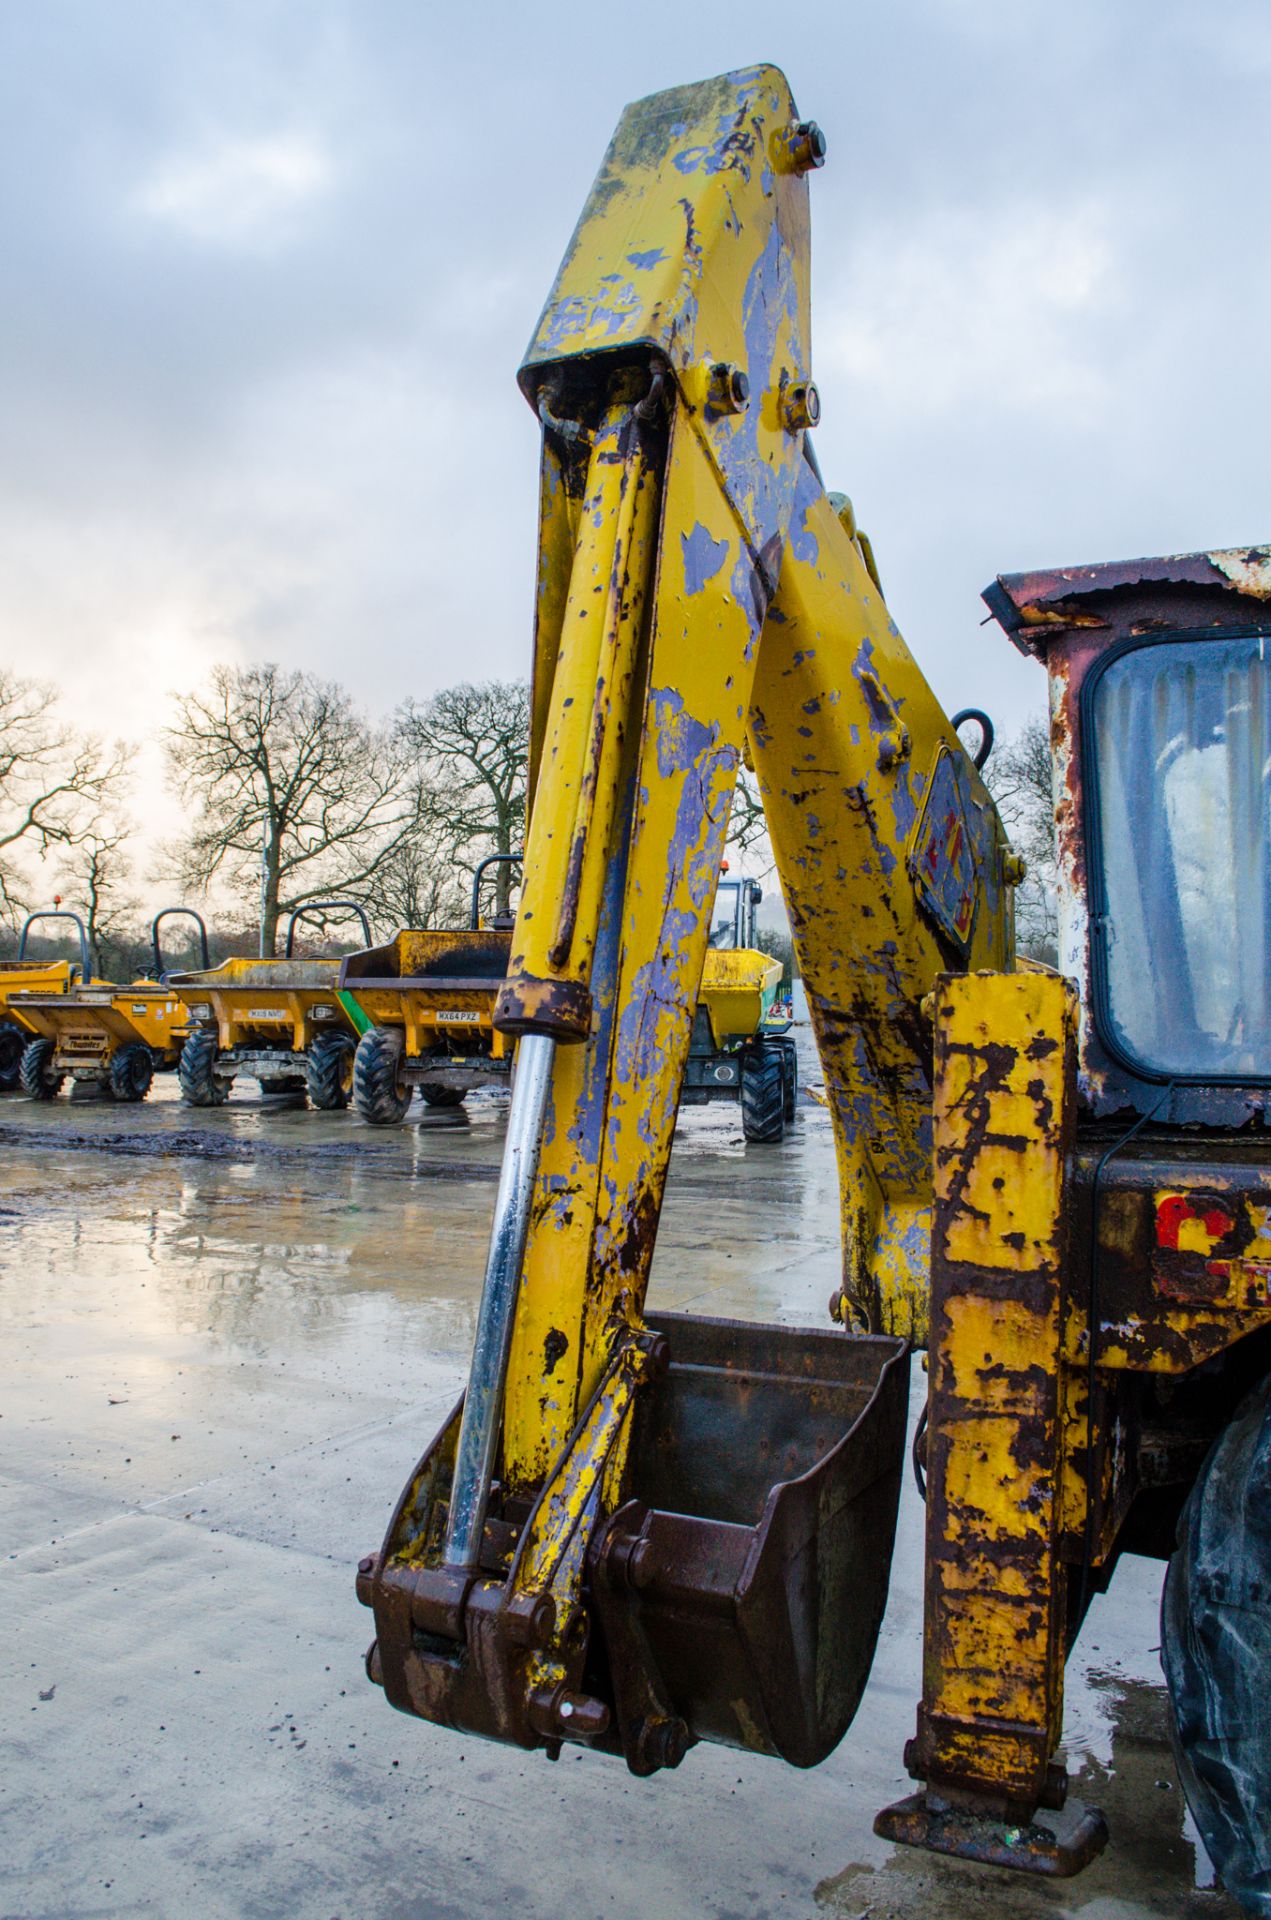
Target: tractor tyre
[[199, 1085], [1216, 1652], [131, 1071], [789, 1079], [12, 1043], [329, 1071], [763, 1079], [435, 1095], [38, 1080], [380, 1095]]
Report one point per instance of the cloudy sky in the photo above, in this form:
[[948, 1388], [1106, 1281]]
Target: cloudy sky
[[269, 269]]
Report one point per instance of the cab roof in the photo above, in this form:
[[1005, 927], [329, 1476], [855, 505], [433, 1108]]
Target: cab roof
[[1029, 606]]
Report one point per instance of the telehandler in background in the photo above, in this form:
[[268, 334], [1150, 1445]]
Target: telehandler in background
[[641, 1529], [21, 975], [283, 1022], [110, 1040]]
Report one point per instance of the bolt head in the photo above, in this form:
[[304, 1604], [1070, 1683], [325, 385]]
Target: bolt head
[[640, 1564], [807, 146], [802, 407], [729, 388]]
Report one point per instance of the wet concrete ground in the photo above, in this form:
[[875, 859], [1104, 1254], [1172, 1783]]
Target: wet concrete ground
[[226, 1338]]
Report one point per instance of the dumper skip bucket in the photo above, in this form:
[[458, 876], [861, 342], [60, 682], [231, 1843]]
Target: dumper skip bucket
[[741, 1587]]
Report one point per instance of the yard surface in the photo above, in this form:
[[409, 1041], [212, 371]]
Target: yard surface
[[226, 1339]]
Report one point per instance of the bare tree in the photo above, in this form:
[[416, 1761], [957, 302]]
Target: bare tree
[[95, 884], [472, 744], [1019, 776], [418, 886], [55, 782], [293, 793], [748, 827]]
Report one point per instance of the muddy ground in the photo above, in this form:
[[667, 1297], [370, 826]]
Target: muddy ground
[[225, 1339]]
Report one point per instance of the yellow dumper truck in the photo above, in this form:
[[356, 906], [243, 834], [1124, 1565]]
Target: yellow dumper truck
[[107, 1038], [282, 1022], [21, 975]]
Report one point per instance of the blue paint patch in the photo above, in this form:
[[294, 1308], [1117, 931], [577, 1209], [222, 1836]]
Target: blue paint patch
[[645, 261], [750, 591], [703, 557], [803, 542], [610, 313], [681, 740]]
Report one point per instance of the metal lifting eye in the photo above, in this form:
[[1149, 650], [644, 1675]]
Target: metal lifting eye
[[987, 735]]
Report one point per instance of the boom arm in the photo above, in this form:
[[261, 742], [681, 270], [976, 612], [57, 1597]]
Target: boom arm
[[698, 592], [699, 596]]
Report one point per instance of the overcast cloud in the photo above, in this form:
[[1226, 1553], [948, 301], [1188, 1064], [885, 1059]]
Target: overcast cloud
[[269, 270]]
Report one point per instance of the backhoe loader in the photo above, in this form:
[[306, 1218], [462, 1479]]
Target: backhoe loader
[[641, 1529]]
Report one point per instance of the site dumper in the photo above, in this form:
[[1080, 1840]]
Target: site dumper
[[429, 998], [641, 1529], [108, 1039], [281, 1022], [21, 975], [737, 1051]]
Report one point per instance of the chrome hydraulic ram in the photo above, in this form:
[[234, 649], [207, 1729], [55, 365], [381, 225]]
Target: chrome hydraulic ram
[[483, 1407]]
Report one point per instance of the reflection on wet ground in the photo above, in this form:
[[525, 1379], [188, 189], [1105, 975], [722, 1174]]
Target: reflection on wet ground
[[226, 1338]]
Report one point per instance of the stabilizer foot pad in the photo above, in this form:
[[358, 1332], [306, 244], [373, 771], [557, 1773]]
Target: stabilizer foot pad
[[940, 1828]]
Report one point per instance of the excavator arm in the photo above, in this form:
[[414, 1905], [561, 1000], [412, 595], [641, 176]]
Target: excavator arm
[[614, 1495]]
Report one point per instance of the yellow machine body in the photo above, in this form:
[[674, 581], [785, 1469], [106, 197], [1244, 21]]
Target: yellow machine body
[[737, 991], [45, 978], [265, 1003], [437, 986], [88, 1025]]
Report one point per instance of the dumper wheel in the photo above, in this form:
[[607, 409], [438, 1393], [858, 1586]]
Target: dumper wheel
[[39, 1082], [329, 1071], [762, 1094], [131, 1072], [789, 1078], [380, 1094], [1216, 1652], [434, 1094], [12, 1042], [199, 1085]]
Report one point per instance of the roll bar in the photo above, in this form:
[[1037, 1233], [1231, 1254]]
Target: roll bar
[[321, 906], [59, 913], [167, 913], [491, 860]]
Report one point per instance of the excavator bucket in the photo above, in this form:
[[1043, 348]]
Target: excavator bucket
[[748, 1570], [734, 1595]]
